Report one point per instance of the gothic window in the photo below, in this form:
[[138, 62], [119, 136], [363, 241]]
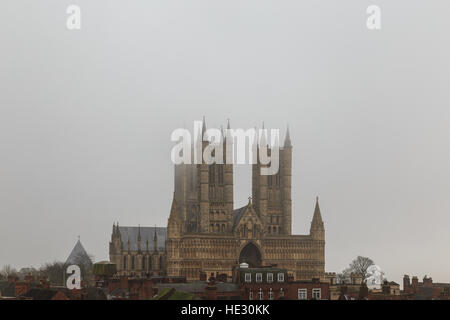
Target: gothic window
[[192, 179], [212, 173], [223, 228], [221, 174], [269, 229], [124, 262], [143, 263], [160, 262], [132, 262], [150, 263], [217, 228]]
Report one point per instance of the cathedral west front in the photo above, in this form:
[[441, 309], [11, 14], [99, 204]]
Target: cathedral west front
[[205, 234]]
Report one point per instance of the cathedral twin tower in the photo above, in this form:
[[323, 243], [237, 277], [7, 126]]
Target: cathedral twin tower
[[205, 234]]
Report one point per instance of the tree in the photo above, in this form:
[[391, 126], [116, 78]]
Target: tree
[[360, 266], [55, 272], [344, 276], [6, 271]]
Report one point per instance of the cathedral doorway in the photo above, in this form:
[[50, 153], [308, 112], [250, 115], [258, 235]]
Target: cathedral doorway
[[250, 254]]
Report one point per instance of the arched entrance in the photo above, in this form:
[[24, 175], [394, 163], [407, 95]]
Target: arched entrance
[[250, 254]]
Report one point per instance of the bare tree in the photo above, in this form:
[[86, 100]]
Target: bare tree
[[360, 266], [344, 276], [6, 271], [55, 272]]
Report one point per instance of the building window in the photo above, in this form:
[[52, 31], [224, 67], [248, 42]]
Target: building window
[[259, 277], [221, 174], [302, 294], [250, 295], [281, 277], [248, 277], [143, 263], [132, 262], [270, 294], [212, 173], [260, 294], [270, 277], [281, 293], [124, 262], [316, 293]]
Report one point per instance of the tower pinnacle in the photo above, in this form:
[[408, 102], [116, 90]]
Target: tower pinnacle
[[287, 140]]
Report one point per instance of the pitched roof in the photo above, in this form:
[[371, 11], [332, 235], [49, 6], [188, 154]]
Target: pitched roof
[[237, 215], [147, 233], [77, 252], [41, 293]]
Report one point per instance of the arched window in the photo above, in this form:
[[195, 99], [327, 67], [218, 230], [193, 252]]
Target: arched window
[[132, 262], [160, 263], [143, 262], [150, 267], [212, 173], [223, 228], [124, 262], [220, 174], [269, 230]]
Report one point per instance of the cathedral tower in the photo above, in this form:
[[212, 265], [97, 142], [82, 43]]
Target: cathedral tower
[[272, 193]]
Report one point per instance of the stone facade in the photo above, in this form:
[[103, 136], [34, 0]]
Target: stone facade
[[205, 234]]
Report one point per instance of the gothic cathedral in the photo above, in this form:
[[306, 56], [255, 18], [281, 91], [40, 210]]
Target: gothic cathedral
[[205, 234]]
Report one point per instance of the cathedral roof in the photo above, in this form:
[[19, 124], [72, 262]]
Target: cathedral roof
[[237, 215], [78, 252], [147, 233]]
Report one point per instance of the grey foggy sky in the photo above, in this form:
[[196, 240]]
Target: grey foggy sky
[[86, 118]]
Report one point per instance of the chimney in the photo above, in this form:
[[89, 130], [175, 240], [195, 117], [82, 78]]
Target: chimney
[[427, 282], [415, 282], [406, 282]]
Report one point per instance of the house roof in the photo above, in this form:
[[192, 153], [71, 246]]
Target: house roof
[[41, 293], [199, 286]]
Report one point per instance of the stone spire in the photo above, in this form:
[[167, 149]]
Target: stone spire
[[317, 230], [317, 218], [287, 140]]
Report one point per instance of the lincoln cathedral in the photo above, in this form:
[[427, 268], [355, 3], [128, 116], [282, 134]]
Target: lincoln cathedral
[[205, 234]]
